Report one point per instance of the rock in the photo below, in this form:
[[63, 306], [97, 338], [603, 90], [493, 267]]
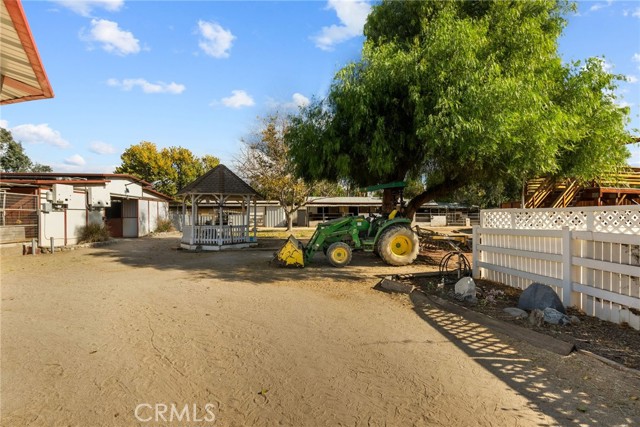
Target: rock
[[466, 289], [516, 312], [539, 296], [554, 317], [574, 320], [392, 285], [536, 317]]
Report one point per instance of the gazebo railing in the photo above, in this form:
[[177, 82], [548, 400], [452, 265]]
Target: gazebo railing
[[211, 235]]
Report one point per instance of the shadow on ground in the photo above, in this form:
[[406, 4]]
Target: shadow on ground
[[252, 264], [556, 393]]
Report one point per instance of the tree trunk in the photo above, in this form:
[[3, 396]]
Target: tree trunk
[[429, 194], [289, 216], [388, 201]]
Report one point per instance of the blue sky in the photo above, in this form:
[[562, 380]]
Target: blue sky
[[198, 74]]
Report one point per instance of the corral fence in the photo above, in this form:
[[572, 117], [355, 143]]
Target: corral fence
[[589, 255], [449, 219], [18, 217]]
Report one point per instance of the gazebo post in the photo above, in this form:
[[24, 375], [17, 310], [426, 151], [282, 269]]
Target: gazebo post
[[255, 218], [193, 219], [184, 212], [247, 199], [220, 227]]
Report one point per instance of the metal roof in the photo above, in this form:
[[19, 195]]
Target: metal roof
[[50, 178], [344, 201], [22, 74], [219, 180]]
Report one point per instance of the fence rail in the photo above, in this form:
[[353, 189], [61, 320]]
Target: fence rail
[[211, 235], [591, 256], [18, 217]]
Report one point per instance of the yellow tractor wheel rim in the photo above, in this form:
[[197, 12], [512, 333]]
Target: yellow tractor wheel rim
[[339, 254], [401, 245]]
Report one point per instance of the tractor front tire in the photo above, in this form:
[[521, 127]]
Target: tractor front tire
[[398, 246], [339, 254]]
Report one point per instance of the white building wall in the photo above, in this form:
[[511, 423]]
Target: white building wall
[[274, 217], [130, 218], [140, 217], [143, 218], [76, 216]]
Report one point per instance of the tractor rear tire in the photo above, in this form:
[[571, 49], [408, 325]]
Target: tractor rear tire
[[339, 254], [398, 246]]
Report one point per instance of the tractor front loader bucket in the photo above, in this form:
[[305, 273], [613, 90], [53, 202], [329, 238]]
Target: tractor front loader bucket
[[291, 254]]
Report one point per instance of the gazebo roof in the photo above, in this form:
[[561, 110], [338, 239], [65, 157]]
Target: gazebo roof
[[219, 180]]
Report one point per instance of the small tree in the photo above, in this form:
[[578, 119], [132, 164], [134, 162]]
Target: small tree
[[168, 169], [264, 161], [14, 159]]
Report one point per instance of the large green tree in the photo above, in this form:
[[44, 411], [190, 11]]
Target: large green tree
[[168, 169], [462, 92], [13, 157], [265, 163]]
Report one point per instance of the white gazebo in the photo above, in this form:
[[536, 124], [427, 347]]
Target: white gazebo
[[220, 212]]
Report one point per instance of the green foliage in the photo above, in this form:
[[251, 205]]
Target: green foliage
[[13, 158], [168, 170], [93, 233], [462, 93], [164, 225], [486, 195]]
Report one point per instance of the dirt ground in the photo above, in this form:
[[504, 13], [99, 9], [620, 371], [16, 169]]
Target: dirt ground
[[618, 343], [114, 335]]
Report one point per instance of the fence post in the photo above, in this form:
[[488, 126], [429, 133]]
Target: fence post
[[474, 241], [567, 260], [53, 246], [34, 247]]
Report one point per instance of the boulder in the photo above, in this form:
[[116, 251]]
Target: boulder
[[466, 288], [555, 317], [539, 296], [516, 312]]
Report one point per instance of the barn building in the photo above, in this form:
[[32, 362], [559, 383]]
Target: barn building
[[45, 206]]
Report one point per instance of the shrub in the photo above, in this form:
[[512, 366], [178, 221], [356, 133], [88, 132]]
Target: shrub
[[93, 233], [164, 225]]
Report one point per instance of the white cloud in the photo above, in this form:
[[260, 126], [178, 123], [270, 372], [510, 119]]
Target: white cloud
[[599, 6], [113, 38], [85, 7], [632, 79], [297, 101], [38, 134], [634, 160], [147, 87], [636, 13], [623, 104], [4, 124], [75, 160], [352, 16], [215, 41], [238, 99], [100, 147], [636, 57], [606, 66]]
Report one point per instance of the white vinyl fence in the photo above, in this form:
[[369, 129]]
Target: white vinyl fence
[[589, 255]]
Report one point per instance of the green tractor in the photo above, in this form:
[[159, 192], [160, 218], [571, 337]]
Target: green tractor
[[389, 236]]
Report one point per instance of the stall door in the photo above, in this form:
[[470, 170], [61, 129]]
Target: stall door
[[129, 218], [113, 216]]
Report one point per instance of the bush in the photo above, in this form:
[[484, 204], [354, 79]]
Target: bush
[[93, 233], [164, 225]]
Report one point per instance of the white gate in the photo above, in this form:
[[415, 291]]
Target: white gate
[[590, 255]]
